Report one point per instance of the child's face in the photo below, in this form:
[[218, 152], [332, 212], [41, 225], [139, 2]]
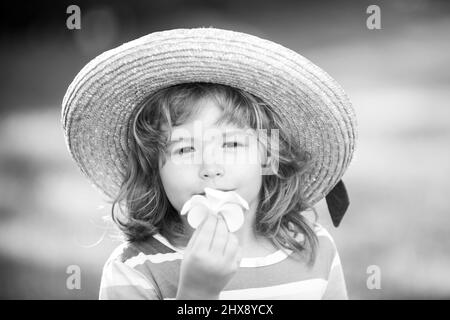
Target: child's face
[[206, 158]]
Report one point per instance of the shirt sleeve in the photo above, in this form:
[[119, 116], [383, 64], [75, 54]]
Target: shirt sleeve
[[122, 282], [336, 288]]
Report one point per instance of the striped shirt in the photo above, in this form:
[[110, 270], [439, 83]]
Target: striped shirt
[[150, 270]]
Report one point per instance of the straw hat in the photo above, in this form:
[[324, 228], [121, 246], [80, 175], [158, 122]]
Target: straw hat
[[98, 104]]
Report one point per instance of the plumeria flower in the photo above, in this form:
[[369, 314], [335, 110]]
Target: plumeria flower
[[229, 203]]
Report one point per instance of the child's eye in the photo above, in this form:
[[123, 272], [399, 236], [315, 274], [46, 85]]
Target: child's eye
[[233, 144], [227, 145], [184, 150]]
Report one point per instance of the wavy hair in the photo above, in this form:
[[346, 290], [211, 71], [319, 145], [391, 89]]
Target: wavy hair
[[144, 208]]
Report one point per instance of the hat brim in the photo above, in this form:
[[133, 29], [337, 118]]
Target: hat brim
[[99, 103]]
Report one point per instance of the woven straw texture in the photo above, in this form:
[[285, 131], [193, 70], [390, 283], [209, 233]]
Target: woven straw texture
[[98, 104]]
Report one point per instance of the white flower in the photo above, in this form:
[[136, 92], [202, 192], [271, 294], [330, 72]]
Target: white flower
[[229, 203]]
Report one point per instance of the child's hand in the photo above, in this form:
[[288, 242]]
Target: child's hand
[[211, 259]]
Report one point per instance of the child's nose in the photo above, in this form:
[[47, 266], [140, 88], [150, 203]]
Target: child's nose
[[211, 171], [211, 165]]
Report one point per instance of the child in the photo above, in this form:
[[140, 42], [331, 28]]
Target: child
[[156, 121]]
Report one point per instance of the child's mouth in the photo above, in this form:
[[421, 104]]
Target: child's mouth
[[223, 190]]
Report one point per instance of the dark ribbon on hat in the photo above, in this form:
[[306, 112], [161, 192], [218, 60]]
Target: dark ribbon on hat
[[338, 202]]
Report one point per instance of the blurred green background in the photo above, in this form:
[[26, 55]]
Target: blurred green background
[[397, 78]]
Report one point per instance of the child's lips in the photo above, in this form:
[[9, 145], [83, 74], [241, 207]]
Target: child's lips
[[223, 190]]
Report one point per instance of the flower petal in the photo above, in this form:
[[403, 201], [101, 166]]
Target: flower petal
[[196, 215], [230, 203], [220, 197], [194, 200], [233, 215], [186, 207]]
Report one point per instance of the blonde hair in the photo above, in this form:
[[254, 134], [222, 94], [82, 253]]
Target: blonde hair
[[144, 207]]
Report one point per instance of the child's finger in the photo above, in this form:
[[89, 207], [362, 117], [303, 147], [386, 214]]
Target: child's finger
[[195, 234], [238, 256], [233, 253], [206, 233], [232, 247], [220, 237]]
